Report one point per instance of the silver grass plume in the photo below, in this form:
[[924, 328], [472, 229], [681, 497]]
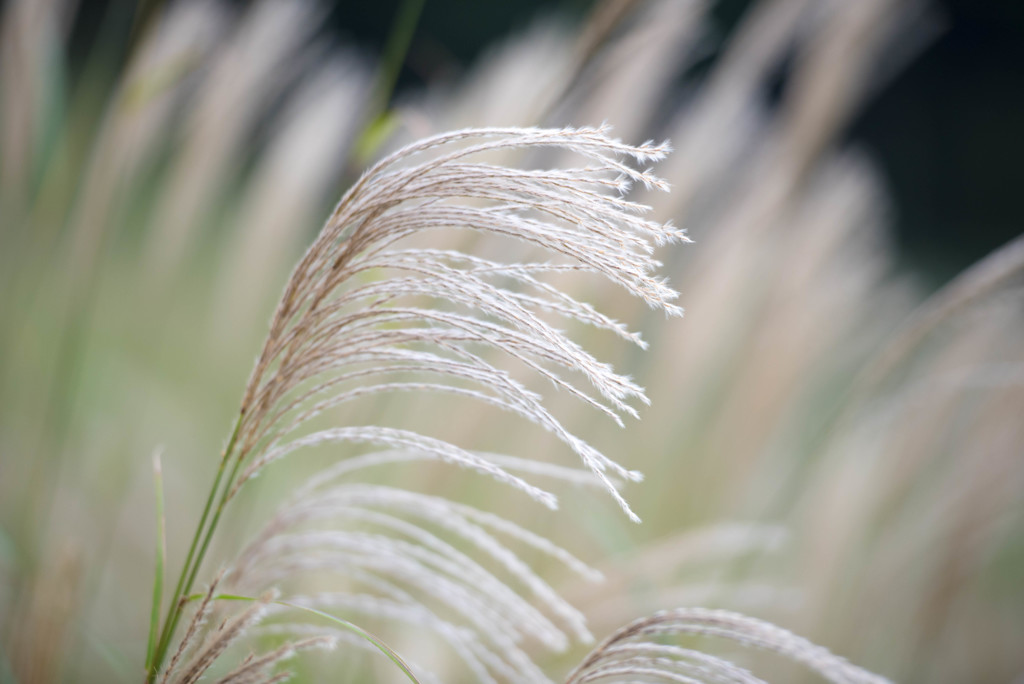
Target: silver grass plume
[[637, 652], [328, 330], [362, 314], [418, 568]]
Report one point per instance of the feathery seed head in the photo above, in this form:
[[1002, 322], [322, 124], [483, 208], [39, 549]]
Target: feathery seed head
[[365, 313], [631, 652], [332, 320]]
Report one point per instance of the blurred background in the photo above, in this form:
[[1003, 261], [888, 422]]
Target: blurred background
[[834, 442], [943, 125]]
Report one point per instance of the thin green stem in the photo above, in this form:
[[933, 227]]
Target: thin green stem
[[213, 526], [192, 560]]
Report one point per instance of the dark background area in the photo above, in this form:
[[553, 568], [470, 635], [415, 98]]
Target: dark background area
[[948, 133], [946, 130]]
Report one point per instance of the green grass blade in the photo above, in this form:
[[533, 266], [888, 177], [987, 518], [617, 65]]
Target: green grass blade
[[161, 553], [344, 624], [359, 631], [380, 123], [395, 50], [190, 568]]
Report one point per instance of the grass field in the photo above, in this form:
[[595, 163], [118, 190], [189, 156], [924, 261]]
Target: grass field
[[828, 447]]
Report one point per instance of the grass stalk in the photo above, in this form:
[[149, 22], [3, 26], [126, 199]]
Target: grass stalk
[[193, 560]]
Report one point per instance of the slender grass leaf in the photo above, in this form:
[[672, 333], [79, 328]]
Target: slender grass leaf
[[344, 624], [161, 553]]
